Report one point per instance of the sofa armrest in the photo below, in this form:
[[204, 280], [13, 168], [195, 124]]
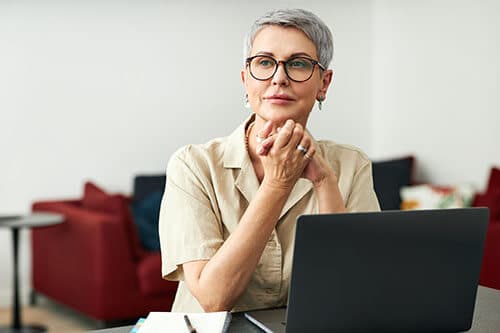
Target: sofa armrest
[[480, 200], [490, 269], [88, 251]]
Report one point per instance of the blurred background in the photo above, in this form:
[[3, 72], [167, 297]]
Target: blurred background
[[104, 90]]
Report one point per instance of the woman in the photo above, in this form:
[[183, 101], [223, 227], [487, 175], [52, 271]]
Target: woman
[[228, 216]]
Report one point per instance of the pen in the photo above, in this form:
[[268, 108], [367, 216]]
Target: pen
[[188, 324]]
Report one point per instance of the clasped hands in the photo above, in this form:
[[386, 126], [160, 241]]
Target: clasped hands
[[288, 153]]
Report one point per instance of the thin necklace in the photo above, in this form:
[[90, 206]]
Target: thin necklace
[[247, 134]]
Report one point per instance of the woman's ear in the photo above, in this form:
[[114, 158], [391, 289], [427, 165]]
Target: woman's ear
[[326, 80], [243, 76]]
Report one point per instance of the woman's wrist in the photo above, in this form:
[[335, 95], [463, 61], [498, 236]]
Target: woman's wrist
[[275, 185], [328, 180], [329, 197]]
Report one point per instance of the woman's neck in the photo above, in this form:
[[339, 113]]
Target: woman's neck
[[251, 145]]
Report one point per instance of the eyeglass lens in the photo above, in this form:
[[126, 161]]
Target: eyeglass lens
[[298, 68]]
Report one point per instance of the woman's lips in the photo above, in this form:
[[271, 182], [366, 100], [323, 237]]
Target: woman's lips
[[279, 99]]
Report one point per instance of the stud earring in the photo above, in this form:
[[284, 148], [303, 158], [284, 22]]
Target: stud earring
[[246, 103], [320, 101]]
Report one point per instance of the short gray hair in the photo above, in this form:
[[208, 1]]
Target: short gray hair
[[317, 31]]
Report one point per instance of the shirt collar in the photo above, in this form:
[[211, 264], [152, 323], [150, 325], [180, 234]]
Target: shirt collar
[[236, 152]]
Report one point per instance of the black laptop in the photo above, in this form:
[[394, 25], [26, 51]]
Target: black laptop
[[390, 271]]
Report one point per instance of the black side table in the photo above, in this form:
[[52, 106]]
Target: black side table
[[15, 223]]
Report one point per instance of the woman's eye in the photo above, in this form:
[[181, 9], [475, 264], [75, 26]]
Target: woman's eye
[[298, 64], [265, 63]]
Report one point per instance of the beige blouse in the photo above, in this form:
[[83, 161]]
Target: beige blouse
[[208, 188]]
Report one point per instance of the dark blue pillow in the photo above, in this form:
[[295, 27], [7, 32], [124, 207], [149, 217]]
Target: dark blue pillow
[[146, 215], [146, 184], [388, 178]]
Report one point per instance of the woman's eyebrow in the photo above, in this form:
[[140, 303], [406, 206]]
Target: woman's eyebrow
[[298, 54], [265, 53]]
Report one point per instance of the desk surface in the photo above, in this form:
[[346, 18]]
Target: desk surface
[[486, 316], [238, 325]]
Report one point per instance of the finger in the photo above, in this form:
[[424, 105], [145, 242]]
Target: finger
[[310, 153], [304, 144], [284, 134], [311, 150], [264, 147], [264, 132], [297, 136]]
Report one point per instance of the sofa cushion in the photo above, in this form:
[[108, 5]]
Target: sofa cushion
[[147, 184], [494, 199], [494, 180], [427, 196], [149, 276], [490, 200], [388, 178], [96, 199], [146, 215]]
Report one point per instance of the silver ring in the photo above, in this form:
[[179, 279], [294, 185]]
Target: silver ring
[[302, 149]]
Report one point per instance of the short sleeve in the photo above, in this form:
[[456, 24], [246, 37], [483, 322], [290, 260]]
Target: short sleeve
[[189, 228], [362, 197]]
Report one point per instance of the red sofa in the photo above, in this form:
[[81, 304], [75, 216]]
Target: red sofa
[[94, 263], [490, 269]]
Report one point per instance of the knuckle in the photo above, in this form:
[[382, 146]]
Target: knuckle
[[299, 131], [284, 132]]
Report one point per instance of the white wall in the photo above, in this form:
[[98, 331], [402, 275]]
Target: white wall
[[104, 90], [436, 86], [108, 89]]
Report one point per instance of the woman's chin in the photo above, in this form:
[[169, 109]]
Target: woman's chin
[[277, 115]]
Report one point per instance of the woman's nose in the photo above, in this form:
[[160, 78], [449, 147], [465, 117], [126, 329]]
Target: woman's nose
[[280, 77]]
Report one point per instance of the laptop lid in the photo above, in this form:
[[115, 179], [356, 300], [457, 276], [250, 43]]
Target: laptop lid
[[390, 271]]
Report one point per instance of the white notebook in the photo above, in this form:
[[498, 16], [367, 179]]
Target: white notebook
[[210, 322]]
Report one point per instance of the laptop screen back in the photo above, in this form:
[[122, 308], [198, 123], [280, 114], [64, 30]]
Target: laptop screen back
[[391, 271]]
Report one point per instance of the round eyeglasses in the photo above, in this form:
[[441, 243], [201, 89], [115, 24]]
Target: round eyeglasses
[[298, 69]]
